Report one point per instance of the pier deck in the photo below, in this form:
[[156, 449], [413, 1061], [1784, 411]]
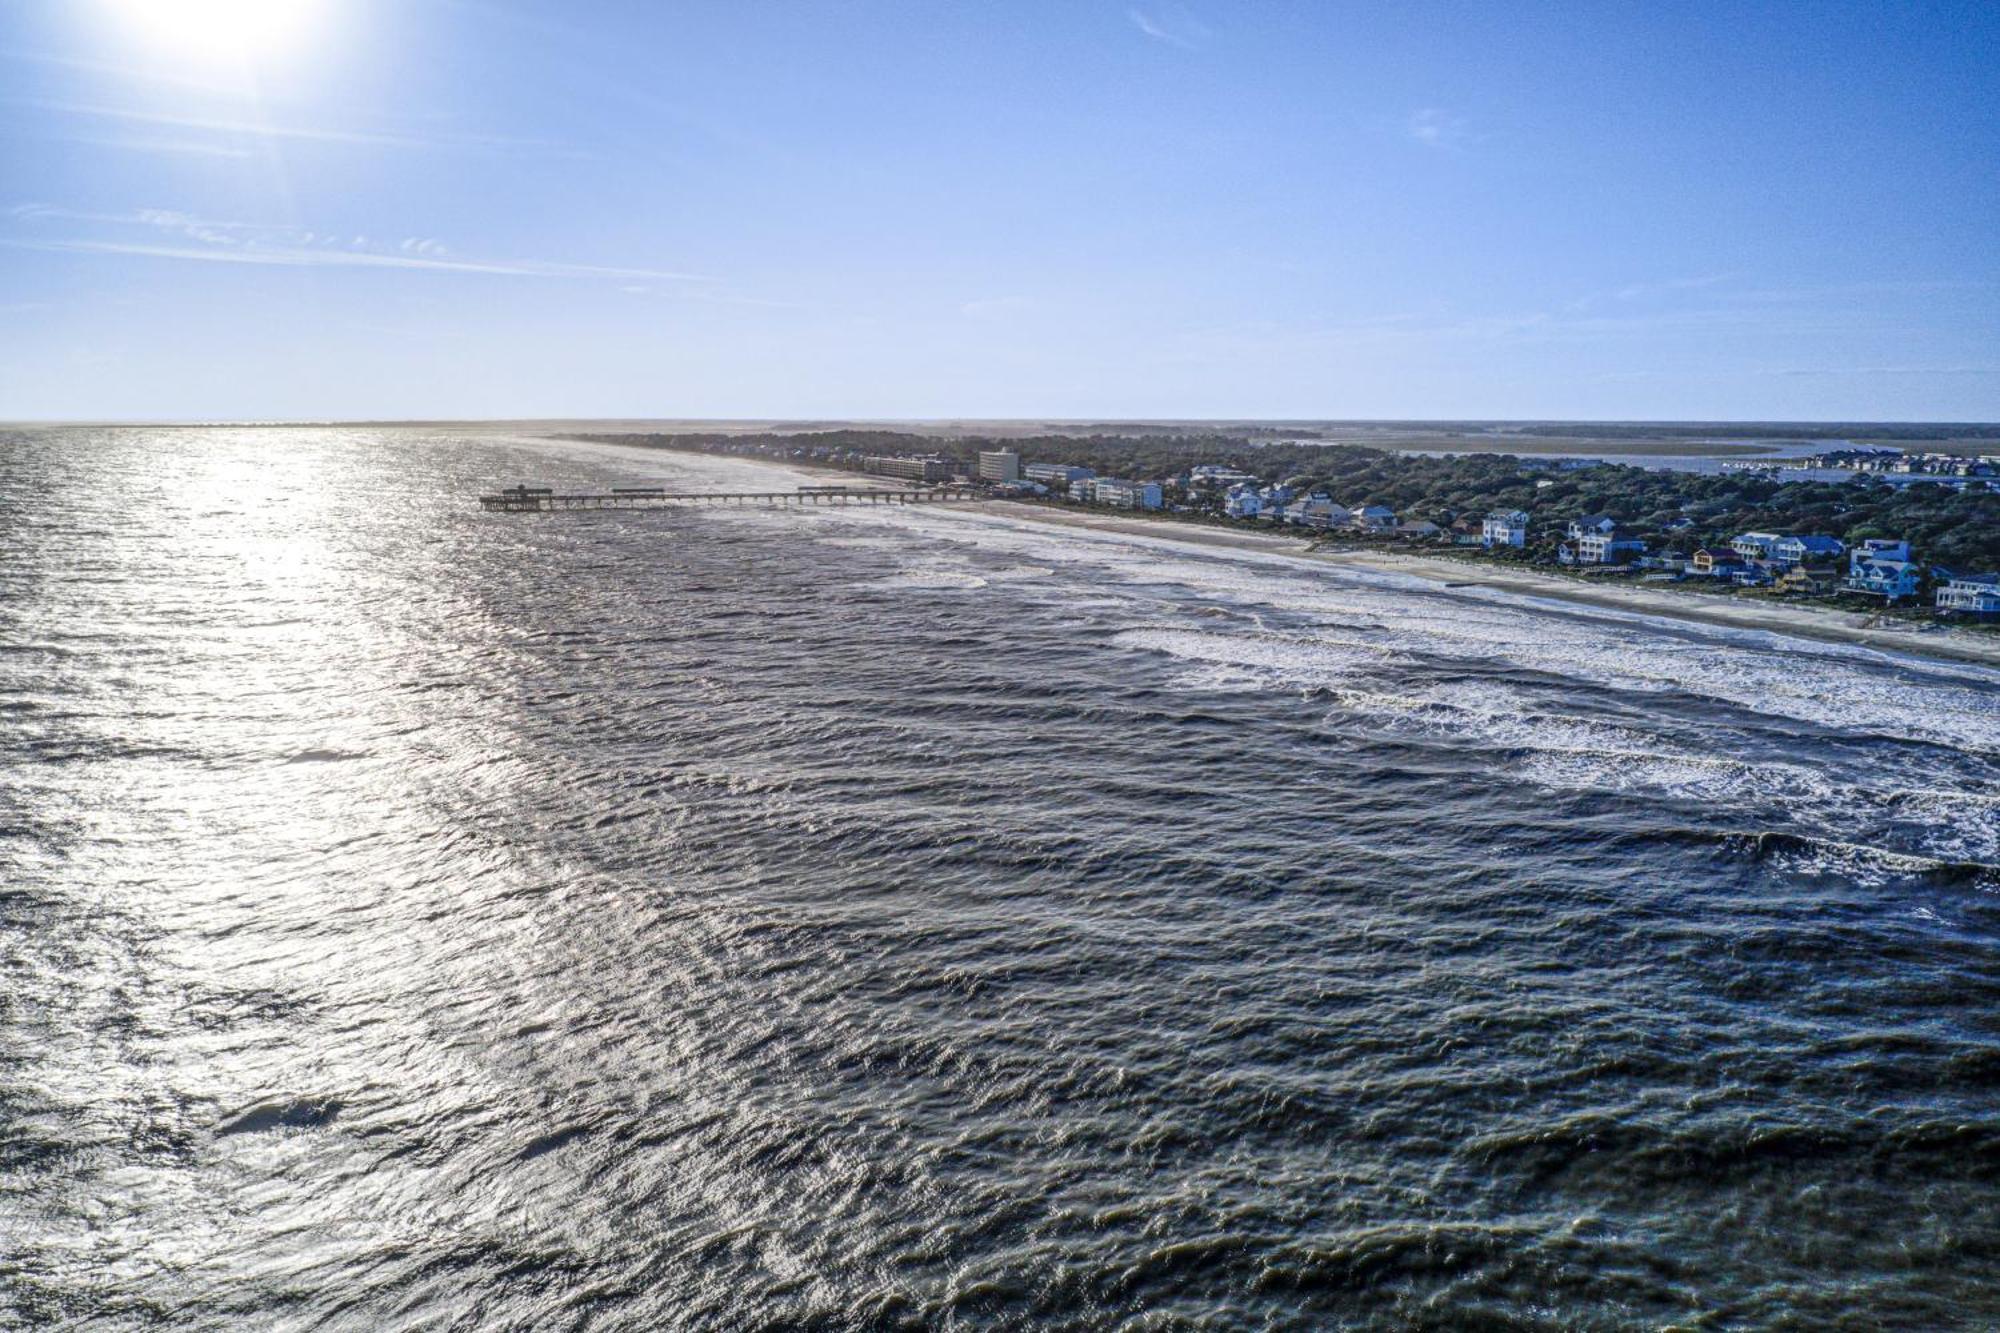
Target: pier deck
[[542, 499]]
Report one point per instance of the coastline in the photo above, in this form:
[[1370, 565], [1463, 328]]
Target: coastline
[[1821, 624], [1806, 622]]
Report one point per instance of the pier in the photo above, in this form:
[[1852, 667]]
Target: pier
[[543, 499]]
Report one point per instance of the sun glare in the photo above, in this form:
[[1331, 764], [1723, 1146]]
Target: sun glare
[[220, 30]]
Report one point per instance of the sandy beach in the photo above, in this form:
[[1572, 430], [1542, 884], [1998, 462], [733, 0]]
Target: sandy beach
[[1830, 625], [1826, 624]]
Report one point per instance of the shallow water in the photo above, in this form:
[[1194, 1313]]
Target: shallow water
[[418, 918]]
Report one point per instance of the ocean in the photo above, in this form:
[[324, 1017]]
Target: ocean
[[419, 918]]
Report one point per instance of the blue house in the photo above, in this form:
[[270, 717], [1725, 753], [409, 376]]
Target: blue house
[[1808, 551], [1882, 569]]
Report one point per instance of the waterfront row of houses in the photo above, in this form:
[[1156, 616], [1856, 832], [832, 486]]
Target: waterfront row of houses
[[1801, 563], [1789, 562], [1897, 462]]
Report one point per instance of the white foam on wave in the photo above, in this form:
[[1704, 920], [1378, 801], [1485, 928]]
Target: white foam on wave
[[1291, 660], [1848, 687], [931, 580]]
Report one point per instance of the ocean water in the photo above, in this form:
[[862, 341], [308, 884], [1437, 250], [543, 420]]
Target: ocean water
[[417, 918]]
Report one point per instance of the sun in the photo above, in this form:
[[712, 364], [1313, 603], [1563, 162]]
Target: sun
[[234, 31]]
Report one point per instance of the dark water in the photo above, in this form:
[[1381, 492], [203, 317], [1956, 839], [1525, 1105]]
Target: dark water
[[414, 918]]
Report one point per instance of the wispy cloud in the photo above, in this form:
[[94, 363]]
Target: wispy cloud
[[148, 144], [1171, 24], [1434, 127], [1841, 372], [1641, 291], [203, 240], [263, 129]]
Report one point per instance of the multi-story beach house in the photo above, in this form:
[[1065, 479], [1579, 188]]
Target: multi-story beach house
[[1507, 527], [1716, 561], [1970, 595], [1273, 500], [1756, 547], [1373, 518], [1243, 502], [1879, 568], [1317, 510], [1601, 524], [1604, 548], [1809, 580], [1792, 551], [1122, 494], [1052, 472]]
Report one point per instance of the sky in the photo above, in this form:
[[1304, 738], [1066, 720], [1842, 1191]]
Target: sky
[[374, 209]]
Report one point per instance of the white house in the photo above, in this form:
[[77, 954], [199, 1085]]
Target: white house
[[1504, 528], [1375, 518], [1970, 595], [1243, 502], [1318, 511], [1126, 494], [1056, 472], [1756, 546], [1602, 524], [1606, 548]]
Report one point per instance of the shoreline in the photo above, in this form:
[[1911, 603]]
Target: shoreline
[[1820, 624], [1805, 622]]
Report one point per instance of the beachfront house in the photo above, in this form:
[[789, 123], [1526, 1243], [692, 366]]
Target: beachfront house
[[1810, 580], [1373, 518], [1271, 501], [1047, 473], [1122, 494], [1508, 527], [1716, 561], [1976, 595], [1602, 525], [1755, 547], [1595, 547], [1317, 510], [1243, 502], [1419, 529], [1793, 551], [1882, 569]]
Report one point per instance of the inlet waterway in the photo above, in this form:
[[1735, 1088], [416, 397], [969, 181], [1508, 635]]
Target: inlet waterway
[[420, 918]]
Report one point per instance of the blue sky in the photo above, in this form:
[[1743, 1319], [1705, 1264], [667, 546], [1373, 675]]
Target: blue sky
[[452, 208]]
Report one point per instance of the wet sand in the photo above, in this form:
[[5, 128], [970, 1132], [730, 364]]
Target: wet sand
[[1827, 624]]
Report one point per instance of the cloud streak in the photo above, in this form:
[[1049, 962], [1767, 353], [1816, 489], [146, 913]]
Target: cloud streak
[[202, 240], [1174, 26], [1872, 371], [1434, 127], [260, 129], [305, 257]]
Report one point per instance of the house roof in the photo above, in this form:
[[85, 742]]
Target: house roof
[[1817, 544]]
